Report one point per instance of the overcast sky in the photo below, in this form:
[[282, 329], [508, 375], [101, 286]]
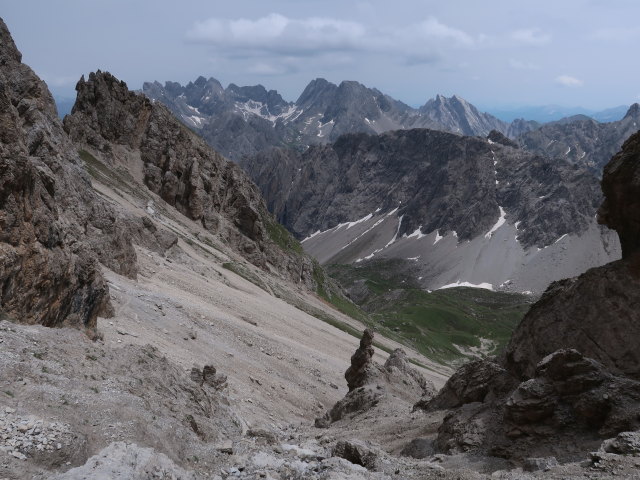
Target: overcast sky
[[494, 53]]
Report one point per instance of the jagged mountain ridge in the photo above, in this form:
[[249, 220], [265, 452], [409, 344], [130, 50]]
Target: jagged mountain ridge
[[126, 129], [54, 229], [581, 139], [242, 121], [459, 208]]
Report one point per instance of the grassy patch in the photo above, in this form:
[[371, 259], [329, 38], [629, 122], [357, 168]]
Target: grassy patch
[[332, 295], [281, 236], [445, 325]]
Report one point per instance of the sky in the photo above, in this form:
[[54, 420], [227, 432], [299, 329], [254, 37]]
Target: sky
[[495, 53]]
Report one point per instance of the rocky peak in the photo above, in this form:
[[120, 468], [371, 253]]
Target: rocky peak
[[315, 92], [620, 210], [497, 137], [182, 169], [8, 50], [54, 228], [633, 112]]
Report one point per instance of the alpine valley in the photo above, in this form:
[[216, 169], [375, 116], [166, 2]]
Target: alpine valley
[[199, 282]]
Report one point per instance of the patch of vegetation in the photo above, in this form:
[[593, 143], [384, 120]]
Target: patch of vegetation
[[281, 236], [247, 274], [445, 325], [9, 393], [334, 296]]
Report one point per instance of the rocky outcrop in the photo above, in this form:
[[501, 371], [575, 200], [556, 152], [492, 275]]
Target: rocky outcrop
[[568, 403], [595, 313], [127, 129], [54, 230], [360, 369], [621, 187], [476, 381], [370, 383]]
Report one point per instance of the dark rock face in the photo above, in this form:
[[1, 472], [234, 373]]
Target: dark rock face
[[54, 229], [595, 313], [179, 167], [356, 375], [476, 381], [582, 140], [357, 453], [438, 180], [569, 403], [621, 186]]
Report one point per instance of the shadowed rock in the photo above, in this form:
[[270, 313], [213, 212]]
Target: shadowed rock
[[356, 375], [54, 229]]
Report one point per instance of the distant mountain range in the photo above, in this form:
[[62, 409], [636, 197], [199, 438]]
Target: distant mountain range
[[582, 140], [242, 121], [459, 196], [551, 113]]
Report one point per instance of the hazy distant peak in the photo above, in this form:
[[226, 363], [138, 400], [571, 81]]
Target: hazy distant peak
[[634, 111]]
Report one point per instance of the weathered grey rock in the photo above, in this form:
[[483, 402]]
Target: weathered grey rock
[[54, 230], [476, 381], [358, 372], [124, 128], [356, 401], [357, 453], [418, 448], [539, 464], [626, 443], [127, 460], [208, 376]]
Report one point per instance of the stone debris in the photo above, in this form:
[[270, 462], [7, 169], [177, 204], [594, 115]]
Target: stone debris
[[21, 436]]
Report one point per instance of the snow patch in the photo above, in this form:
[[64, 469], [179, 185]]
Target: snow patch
[[484, 285], [498, 224], [317, 232], [395, 237], [561, 238], [438, 237], [417, 234]]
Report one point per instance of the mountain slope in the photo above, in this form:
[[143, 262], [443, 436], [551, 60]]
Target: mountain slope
[[125, 130], [583, 140], [457, 209]]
